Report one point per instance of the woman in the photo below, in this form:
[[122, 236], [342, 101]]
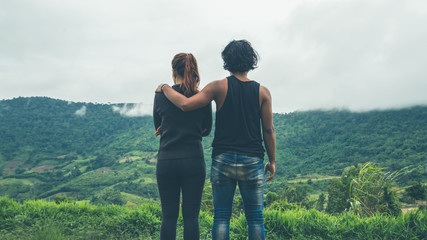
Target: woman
[[180, 160]]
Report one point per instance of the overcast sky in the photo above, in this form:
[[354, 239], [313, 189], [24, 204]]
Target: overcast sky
[[352, 54]]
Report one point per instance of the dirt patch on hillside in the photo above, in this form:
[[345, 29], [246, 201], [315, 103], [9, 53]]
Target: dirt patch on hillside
[[418, 205], [103, 170], [405, 210], [10, 167], [13, 164], [43, 168], [27, 166]]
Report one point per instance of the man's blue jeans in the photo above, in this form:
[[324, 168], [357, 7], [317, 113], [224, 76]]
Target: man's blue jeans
[[228, 170]]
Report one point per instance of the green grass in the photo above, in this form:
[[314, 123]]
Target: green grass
[[25, 181], [76, 221], [46, 220], [83, 160], [132, 198]]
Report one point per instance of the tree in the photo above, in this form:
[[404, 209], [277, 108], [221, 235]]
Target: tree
[[391, 205], [19, 170], [102, 160], [295, 194], [109, 197], [320, 202], [76, 172], [416, 191], [339, 193], [338, 197]]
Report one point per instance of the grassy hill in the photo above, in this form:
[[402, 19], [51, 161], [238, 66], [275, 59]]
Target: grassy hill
[[51, 147]]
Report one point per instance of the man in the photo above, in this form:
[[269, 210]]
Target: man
[[243, 108]]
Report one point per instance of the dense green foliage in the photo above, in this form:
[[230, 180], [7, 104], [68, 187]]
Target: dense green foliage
[[365, 190], [416, 191], [37, 129], [68, 220], [90, 151], [93, 153], [326, 142], [48, 147]]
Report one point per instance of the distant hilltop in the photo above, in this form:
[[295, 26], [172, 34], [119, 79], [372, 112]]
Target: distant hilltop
[[125, 109]]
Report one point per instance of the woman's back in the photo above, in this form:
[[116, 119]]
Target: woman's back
[[181, 132]]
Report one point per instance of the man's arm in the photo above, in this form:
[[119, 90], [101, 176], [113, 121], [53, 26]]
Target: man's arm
[[268, 132], [196, 101]]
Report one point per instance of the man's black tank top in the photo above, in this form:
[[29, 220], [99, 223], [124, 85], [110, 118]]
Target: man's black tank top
[[238, 122]]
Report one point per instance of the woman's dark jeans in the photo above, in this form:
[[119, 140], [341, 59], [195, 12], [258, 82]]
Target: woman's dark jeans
[[173, 177]]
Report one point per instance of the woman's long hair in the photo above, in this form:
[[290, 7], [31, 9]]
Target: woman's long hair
[[185, 65]]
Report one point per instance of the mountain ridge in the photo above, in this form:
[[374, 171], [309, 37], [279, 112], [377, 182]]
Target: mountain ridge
[[51, 146]]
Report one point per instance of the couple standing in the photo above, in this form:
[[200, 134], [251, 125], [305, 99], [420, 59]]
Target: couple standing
[[182, 115]]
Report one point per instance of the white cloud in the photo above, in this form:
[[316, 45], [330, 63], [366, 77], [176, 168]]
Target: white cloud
[[81, 112], [134, 110], [357, 54]]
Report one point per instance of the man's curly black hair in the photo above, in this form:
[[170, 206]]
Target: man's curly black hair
[[239, 56]]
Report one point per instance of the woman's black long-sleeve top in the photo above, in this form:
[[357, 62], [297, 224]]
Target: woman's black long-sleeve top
[[181, 132]]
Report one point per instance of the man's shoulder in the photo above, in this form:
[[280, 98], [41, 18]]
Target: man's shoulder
[[263, 88], [217, 85], [264, 92], [220, 81]]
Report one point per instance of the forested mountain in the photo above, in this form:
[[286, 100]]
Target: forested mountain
[[92, 151], [327, 141], [51, 127]]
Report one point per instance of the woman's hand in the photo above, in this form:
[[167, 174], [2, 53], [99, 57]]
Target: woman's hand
[[158, 131]]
